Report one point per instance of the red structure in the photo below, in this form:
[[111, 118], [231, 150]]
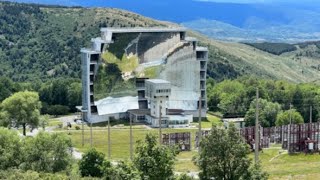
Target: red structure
[[183, 140], [294, 137], [249, 135]]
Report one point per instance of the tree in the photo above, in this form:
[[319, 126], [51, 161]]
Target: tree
[[93, 164], [283, 118], [267, 113], [6, 88], [10, 149], [44, 121], [56, 110], [47, 153], [153, 160], [74, 95], [255, 173], [23, 108], [123, 171], [223, 155]]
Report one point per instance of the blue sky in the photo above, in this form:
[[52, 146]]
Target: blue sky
[[261, 1]]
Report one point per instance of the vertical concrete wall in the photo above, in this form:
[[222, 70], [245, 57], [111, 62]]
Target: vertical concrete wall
[[85, 69]]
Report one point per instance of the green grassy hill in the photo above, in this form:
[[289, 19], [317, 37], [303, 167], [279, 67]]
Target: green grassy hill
[[43, 42]]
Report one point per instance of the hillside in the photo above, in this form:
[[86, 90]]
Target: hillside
[[233, 20], [43, 42], [247, 60]]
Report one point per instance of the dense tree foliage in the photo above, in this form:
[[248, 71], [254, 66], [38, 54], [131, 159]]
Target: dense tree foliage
[[274, 48], [59, 96], [153, 160], [22, 108], [234, 97], [224, 155], [10, 149], [43, 42], [47, 153], [268, 112], [93, 164], [18, 174], [289, 116], [123, 171]]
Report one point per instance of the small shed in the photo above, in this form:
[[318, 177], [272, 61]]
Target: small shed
[[238, 122]]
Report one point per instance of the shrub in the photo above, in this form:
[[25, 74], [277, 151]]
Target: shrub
[[93, 164]]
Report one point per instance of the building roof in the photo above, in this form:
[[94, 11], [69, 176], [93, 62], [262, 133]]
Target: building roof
[[200, 48], [89, 51], [233, 119], [139, 29], [158, 81], [191, 39], [112, 105]]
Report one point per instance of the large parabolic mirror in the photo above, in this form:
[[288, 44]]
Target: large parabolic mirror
[[129, 56]]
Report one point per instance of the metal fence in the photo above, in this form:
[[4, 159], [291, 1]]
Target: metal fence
[[183, 140], [294, 137]]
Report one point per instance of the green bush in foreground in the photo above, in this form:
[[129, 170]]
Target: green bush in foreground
[[153, 160], [10, 149], [224, 155], [93, 164]]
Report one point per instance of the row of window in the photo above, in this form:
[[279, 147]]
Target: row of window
[[163, 90], [177, 122]]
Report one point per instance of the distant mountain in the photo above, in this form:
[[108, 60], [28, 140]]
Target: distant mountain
[[253, 33], [43, 43], [277, 21]]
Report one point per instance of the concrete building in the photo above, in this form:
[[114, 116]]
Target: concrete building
[[131, 72]]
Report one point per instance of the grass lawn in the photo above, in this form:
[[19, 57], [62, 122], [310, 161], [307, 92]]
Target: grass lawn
[[209, 121], [285, 166], [120, 139], [54, 122], [278, 165]]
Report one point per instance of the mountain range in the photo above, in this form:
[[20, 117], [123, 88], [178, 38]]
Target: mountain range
[[40, 42], [250, 21]]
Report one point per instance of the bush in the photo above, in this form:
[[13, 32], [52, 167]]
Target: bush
[[93, 164], [47, 153], [10, 149], [123, 171], [77, 127], [14, 174], [56, 110]]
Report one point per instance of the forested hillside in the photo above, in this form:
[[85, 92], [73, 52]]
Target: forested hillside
[[40, 42], [40, 45], [236, 98], [43, 42]]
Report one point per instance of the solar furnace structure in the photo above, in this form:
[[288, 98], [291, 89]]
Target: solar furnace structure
[[124, 61]]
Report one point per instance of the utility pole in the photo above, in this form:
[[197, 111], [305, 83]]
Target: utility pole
[[91, 133], [200, 131], [257, 138], [109, 140], [310, 114], [289, 127], [82, 122], [160, 130], [131, 138]]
